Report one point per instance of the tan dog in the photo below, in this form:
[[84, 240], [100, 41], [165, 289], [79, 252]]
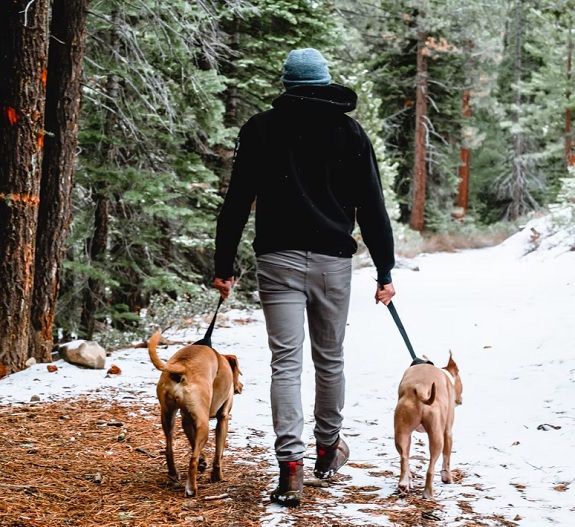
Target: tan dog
[[427, 399], [200, 383]]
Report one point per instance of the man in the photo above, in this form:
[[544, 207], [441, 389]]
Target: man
[[311, 171]]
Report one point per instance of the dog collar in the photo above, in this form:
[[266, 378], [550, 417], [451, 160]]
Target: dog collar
[[449, 376], [417, 360]]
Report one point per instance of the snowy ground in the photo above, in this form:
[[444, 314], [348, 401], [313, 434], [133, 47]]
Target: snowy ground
[[506, 313]]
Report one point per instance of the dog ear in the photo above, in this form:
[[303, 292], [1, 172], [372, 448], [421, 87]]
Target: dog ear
[[232, 359], [451, 365]]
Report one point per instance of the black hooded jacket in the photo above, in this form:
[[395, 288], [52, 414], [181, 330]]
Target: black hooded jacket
[[312, 172]]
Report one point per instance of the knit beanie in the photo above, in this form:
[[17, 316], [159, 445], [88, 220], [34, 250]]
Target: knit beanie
[[305, 66]]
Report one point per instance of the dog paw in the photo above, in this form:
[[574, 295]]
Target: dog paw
[[428, 494], [446, 476], [402, 489], [202, 465], [191, 492], [217, 476]]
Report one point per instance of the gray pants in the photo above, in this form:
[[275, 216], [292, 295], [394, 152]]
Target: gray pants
[[292, 283]]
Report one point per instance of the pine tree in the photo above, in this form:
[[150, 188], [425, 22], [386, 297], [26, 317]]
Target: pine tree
[[147, 177], [23, 63]]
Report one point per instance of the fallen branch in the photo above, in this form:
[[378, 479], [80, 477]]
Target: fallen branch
[[218, 497], [138, 449]]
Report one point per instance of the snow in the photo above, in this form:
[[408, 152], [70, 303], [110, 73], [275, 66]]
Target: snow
[[506, 314]]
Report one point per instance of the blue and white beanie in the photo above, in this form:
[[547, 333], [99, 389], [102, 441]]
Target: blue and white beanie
[[305, 66]]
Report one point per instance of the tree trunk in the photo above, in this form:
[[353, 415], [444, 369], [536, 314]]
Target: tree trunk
[[94, 296], [518, 176], [65, 56], [231, 117], [230, 70], [23, 61], [465, 156], [420, 164], [569, 156]]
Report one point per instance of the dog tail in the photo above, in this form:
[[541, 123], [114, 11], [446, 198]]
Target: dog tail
[[152, 344], [423, 395]]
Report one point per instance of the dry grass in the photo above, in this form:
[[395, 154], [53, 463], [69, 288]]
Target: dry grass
[[409, 244], [92, 462], [453, 242]]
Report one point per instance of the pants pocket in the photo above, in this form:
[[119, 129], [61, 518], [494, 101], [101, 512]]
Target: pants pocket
[[337, 281], [273, 277]]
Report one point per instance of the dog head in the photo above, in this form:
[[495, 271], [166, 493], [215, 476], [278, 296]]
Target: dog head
[[454, 371], [233, 360]]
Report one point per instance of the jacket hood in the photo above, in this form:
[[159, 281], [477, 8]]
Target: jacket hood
[[330, 97]]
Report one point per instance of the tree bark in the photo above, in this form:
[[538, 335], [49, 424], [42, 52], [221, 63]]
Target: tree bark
[[465, 156], [569, 156], [518, 175], [63, 95], [23, 61], [94, 296], [417, 219], [231, 117], [231, 94]]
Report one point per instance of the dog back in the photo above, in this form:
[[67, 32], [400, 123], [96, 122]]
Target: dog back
[[197, 368]]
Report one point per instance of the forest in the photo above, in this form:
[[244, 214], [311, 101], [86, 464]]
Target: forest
[[119, 118]]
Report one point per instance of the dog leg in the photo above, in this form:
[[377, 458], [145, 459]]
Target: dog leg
[[435, 449], [446, 469], [221, 435], [197, 434], [190, 431], [168, 421], [403, 444]]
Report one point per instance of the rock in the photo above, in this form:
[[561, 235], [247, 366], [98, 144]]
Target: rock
[[406, 263], [114, 370], [84, 353], [546, 427]]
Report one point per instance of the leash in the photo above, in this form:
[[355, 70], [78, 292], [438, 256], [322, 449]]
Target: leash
[[399, 325], [207, 340]]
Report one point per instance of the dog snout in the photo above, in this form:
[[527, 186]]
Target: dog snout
[[238, 387]]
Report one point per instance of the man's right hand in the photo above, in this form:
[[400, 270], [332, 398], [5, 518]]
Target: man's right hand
[[384, 293], [224, 286]]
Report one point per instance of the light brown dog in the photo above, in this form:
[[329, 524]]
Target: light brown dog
[[200, 383], [427, 399]]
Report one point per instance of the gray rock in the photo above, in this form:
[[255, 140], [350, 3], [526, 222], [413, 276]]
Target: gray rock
[[406, 263], [84, 353]]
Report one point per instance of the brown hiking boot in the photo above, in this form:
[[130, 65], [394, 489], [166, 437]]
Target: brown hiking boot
[[290, 487], [330, 459]]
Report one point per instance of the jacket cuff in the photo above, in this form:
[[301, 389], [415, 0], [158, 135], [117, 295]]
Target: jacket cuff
[[384, 279]]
